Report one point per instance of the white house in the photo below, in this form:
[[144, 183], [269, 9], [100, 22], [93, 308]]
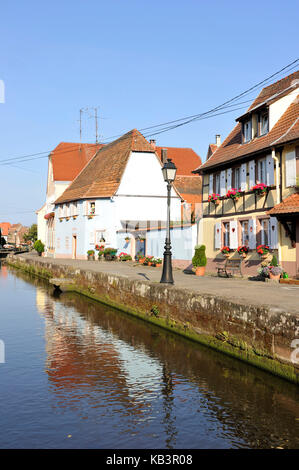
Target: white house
[[122, 183], [64, 164]]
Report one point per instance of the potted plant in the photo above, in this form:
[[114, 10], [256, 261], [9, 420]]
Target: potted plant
[[127, 239], [243, 251], [140, 257], [225, 250], [125, 257], [90, 255], [148, 260], [110, 253], [39, 247], [275, 272], [141, 239], [233, 194], [215, 198], [263, 250], [199, 260], [158, 262], [260, 189]]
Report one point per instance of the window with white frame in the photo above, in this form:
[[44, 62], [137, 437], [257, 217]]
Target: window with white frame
[[226, 240], [265, 232], [237, 182], [247, 131], [264, 123], [91, 208], [217, 183], [262, 171], [244, 233]]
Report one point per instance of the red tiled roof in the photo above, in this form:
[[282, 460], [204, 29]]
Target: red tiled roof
[[189, 188], [5, 226], [101, 176], [69, 158], [185, 159], [289, 205], [285, 130]]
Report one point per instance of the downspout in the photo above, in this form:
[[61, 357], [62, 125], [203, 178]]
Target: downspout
[[277, 173]]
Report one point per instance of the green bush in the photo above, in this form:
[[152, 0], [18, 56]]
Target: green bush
[[199, 259], [274, 261], [39, 246]]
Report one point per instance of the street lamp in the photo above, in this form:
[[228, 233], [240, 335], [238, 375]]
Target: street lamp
[[169, 172], [16, 239]]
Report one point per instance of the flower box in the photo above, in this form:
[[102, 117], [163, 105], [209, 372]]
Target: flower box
[[215, 198]]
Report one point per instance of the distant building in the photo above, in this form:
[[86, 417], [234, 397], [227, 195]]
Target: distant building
[[4, 227], [16, 234]]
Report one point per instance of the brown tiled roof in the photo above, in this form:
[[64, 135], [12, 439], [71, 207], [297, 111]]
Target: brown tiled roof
[[102, 175], [290, 205], [189, 187], [185, 159], [69, 158], [285, 130]]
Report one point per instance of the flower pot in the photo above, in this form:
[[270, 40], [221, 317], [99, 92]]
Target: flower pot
[[264, 256], [226, 255], [158, 265], [217, 202], [200, 271], [274, 277], [243, 255], [39, 253], [141, 260], [90, 257]]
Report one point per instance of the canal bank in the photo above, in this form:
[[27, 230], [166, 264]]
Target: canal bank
[[253, 322]]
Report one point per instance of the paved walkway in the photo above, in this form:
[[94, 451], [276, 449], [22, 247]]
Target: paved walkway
[[279, 296]]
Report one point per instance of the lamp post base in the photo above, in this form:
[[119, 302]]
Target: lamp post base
[[167, 277]]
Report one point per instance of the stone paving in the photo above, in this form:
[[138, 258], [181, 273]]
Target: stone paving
[[280, 297]]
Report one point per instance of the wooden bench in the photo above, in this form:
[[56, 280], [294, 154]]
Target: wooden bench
[[229, 267]]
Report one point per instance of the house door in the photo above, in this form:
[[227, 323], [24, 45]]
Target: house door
[[74, 247]]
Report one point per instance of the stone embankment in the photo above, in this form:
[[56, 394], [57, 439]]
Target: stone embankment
[[263, 334]]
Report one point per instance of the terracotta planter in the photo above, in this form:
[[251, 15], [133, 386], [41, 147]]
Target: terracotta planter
[[272, 276], [243, 255], [200, 271], [141, 260], [217, 202], [158, 265]]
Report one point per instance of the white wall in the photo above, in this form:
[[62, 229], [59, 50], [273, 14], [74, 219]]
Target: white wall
[[41, 224], [277, 109]]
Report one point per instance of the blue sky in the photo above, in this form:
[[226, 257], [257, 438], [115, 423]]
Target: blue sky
[[140, 62]]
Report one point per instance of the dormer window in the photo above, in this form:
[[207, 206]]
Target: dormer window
[[264, 123], [247, 131]]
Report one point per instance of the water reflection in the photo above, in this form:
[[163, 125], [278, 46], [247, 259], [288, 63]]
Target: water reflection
[[130, 384]]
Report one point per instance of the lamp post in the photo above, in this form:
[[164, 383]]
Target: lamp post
[[169, 172], [16, 239]]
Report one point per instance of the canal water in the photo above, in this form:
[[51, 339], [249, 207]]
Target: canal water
[[78, 374]]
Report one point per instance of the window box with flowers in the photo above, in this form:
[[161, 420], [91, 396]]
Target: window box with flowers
[[215, 198], [225, 250], [260, 189], [243, 251], [263, 251], [233, 194]]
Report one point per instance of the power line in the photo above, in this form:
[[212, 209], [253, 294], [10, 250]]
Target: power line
[[158, 129]]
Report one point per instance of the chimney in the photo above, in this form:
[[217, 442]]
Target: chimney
[[153, 143], [164, 155], [218, 140]]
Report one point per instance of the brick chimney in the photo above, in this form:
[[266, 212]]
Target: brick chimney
[[164, 155], [153, 143], [218, 140]]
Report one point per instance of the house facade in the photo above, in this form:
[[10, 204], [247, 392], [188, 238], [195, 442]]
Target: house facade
[[120, 194], [262, 149], [64, 164]]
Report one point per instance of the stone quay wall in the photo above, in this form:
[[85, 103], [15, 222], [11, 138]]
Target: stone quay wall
[[258, 335]]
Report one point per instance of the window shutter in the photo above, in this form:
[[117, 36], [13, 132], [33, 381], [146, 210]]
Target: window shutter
[[290, 169], [270, 170], [217, 235], [251, 173], [222, 183], [233, 234], [252, 233], [211, 184], [243, 177], [273, 233], [229, 179]]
